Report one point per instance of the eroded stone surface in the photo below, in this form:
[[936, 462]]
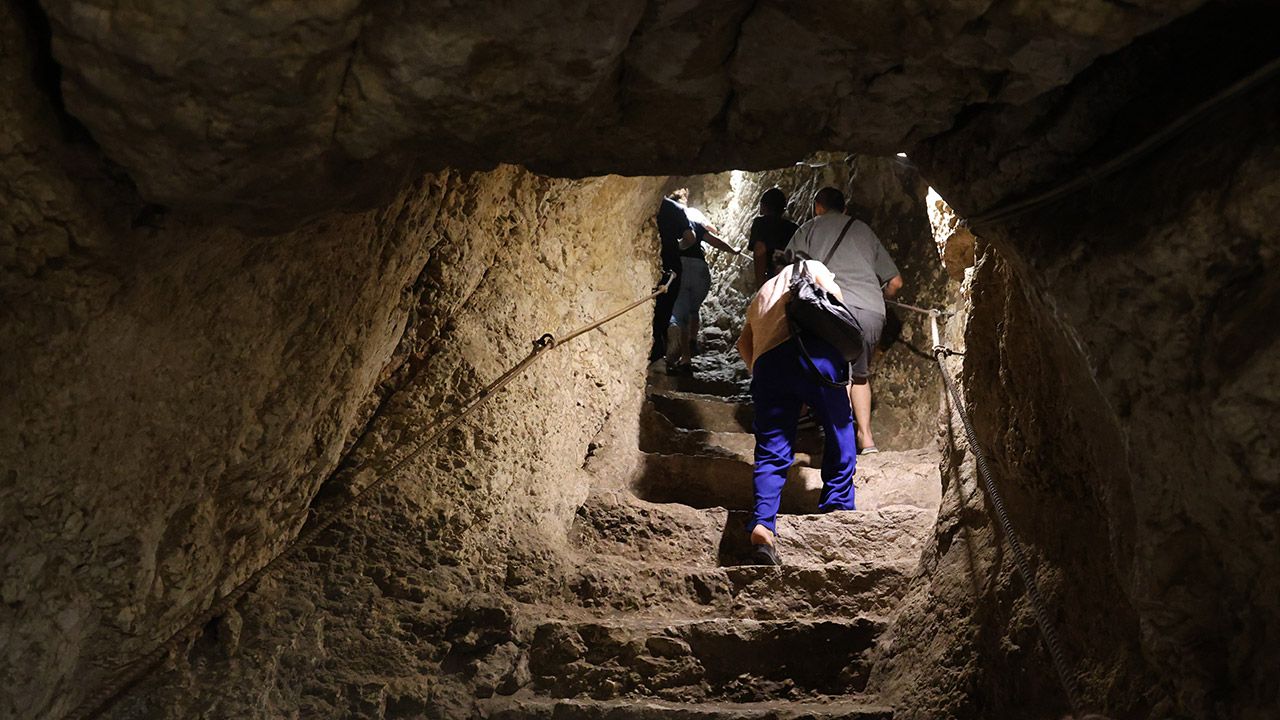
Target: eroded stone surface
[[178, 392], [523, 708], [731, 659], [111, 315], [289, 109], [1113, 341]]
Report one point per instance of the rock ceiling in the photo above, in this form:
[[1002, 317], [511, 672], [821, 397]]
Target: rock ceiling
[[296, 108]]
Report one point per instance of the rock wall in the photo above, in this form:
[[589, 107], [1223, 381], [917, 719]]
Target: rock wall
[[408, 608], [178, 392], [1121, 371], [271, 113], [966, 644]]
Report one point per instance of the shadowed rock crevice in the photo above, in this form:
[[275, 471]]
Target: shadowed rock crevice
[[1110, 339], [45, 71]]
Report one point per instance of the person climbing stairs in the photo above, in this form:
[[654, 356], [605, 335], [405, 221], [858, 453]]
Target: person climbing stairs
[[661, 618]]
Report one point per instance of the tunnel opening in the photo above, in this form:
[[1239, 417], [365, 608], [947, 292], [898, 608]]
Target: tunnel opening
[[696, 425]]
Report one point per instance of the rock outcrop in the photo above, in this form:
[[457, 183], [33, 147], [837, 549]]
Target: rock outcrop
[[278, 112], [1121, 372], [178, 392]]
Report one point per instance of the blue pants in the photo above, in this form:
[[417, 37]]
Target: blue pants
[[780, 383]]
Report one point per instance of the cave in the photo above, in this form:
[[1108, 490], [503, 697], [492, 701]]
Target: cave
[[256, 257]]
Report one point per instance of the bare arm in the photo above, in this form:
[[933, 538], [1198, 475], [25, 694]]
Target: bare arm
[[826, 279], [760, 253], [892, 287], [715, 242], [688, 240]]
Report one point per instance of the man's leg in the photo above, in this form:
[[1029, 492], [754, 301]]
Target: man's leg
[[860, 399], [830, 405], [675, 343], [776, 411], [698, 276], [860, 371]]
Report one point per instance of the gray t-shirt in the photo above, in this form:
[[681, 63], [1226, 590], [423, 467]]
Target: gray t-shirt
[[861, 264]]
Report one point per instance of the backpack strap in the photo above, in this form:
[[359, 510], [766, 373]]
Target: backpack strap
[[807, 360], [839, 240]]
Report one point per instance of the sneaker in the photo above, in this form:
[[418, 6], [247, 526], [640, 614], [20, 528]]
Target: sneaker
[[764, 555]]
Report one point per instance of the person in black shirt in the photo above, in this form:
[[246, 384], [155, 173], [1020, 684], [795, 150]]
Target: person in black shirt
[[694, 286], [769, 232], [673, 230]]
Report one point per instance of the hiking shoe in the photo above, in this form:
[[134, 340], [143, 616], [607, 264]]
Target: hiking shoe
[[764, 555]]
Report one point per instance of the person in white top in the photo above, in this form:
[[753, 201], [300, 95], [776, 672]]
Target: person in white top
[[866, 275], [781, 381]]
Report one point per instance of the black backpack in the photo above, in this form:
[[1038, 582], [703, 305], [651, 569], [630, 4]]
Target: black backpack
[[813, 310]]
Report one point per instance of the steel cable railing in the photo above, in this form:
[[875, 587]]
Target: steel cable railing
[[101, 701], [1022, 565]]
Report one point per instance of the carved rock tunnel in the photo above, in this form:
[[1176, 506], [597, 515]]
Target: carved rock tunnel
[[248, 251]]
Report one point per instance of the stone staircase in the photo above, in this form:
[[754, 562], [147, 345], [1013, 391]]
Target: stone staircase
[[664, 621]]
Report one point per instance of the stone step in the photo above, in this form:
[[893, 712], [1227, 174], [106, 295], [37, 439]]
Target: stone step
[[617, 524], [716, 385], [659, 435], [720, 478], [611, 585], [694, 411], [534, 708], [897, 533], [732, 659]]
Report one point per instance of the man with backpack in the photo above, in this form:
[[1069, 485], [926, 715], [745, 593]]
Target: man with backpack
[[862, 268]]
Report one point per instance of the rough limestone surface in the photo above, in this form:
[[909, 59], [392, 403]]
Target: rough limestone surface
[[178, 392], [278, 111], [1121, 371], [955, 241]]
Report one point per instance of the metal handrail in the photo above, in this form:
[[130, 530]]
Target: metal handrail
[[101, 701]]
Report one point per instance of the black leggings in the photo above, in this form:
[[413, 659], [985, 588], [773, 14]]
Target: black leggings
[[662, 308]]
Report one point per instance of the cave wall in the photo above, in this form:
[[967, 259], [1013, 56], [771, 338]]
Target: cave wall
[[1121, 370], [410, 609], [272, 113], [966, 644], [178, 392]]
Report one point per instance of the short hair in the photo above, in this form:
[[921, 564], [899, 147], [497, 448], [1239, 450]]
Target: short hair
[[773, 201], [680, 195], [830, 198]]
